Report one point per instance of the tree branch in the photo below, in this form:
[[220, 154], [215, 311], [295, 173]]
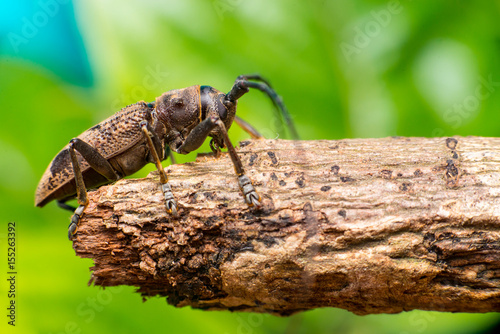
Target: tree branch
[[368, 225]]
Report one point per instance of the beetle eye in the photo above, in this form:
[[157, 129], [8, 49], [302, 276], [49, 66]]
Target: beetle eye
[[178, 102]]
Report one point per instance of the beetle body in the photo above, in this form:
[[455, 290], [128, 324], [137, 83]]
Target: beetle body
[[119, 138], [179, 120]]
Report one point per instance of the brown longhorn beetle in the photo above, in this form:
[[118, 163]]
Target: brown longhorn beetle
[[179, 120]]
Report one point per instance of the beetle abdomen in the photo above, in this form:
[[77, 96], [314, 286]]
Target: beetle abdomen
[[110, 138]]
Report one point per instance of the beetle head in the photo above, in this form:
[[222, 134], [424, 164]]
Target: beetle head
[[179, 108]]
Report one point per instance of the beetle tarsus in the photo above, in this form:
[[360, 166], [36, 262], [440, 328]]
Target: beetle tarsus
[[75, 220], [252, 198], [170, 202], [215, 148], [71, 230]]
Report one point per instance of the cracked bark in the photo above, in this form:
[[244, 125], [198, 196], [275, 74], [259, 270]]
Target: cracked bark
[[368, 225]]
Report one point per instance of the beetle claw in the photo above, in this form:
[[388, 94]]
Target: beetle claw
[[172, 208], [253, 199], [251, 196]]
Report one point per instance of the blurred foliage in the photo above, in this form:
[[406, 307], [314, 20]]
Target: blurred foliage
[[344, 68]]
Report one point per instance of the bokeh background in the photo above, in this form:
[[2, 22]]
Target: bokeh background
[[345, 69]]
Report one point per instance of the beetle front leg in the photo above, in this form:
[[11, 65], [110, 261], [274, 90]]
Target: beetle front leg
[[198, 135], [165, 186], [252, 198]]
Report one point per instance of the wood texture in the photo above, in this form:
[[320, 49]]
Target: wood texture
[[368, 225]]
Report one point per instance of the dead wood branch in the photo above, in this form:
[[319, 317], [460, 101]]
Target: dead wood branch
[[368, 225]]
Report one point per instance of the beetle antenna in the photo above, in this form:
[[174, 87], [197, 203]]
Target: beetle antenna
[[241, 86]]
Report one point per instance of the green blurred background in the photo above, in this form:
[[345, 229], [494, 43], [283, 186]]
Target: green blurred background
[[344, 68]]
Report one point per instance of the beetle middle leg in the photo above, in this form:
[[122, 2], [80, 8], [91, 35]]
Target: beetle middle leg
[[97, 162], [196, 138], [153, 142]]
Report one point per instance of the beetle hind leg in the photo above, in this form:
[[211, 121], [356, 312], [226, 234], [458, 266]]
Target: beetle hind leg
[[98, 163], [81, 192]]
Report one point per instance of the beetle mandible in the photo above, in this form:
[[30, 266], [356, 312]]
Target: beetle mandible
[[179, 120]]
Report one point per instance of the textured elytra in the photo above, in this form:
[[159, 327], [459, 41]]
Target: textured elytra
[[110, 138], [119, 132]]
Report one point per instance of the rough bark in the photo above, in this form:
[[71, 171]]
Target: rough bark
[[368, 225]]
